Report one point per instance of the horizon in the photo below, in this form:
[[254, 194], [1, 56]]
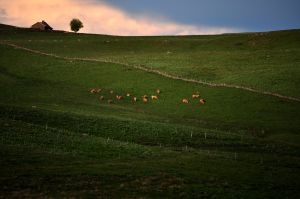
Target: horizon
[[164, 35], [143, 18]]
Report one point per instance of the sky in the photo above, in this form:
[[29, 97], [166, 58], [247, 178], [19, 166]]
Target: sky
[[156, 17]]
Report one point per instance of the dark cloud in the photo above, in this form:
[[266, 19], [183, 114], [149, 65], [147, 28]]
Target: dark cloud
[[246, 14]]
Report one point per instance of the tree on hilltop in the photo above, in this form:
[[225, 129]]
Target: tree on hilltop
[[75, 25]]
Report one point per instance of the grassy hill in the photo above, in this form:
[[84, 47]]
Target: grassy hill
[[60, 140]]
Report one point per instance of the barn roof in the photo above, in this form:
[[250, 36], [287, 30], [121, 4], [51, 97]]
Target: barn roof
[[42, 26], [46, 25]]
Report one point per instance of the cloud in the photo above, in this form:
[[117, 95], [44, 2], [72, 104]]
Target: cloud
[[2, 14], [97, 17]]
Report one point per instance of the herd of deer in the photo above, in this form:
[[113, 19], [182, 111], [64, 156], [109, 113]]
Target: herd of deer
[[145, 98]]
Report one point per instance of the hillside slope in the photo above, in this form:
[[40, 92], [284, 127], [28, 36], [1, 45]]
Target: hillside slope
[[264, 61], [60, 140]]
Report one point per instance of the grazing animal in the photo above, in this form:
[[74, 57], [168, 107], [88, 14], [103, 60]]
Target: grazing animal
[[195, 96], [93, 90], [119, 97], [145, 98], [185, 101], [154, 97], [158, 91], [134, 99], [98, 90], [128, 94], [101, 98], [202, 101], [110, 101]]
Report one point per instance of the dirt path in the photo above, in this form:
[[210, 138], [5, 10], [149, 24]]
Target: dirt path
[[140, 67]]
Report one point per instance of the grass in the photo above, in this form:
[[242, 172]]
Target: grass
[[59, 140], [265, 61]]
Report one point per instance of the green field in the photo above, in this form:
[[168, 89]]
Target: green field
[[60, 140]]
